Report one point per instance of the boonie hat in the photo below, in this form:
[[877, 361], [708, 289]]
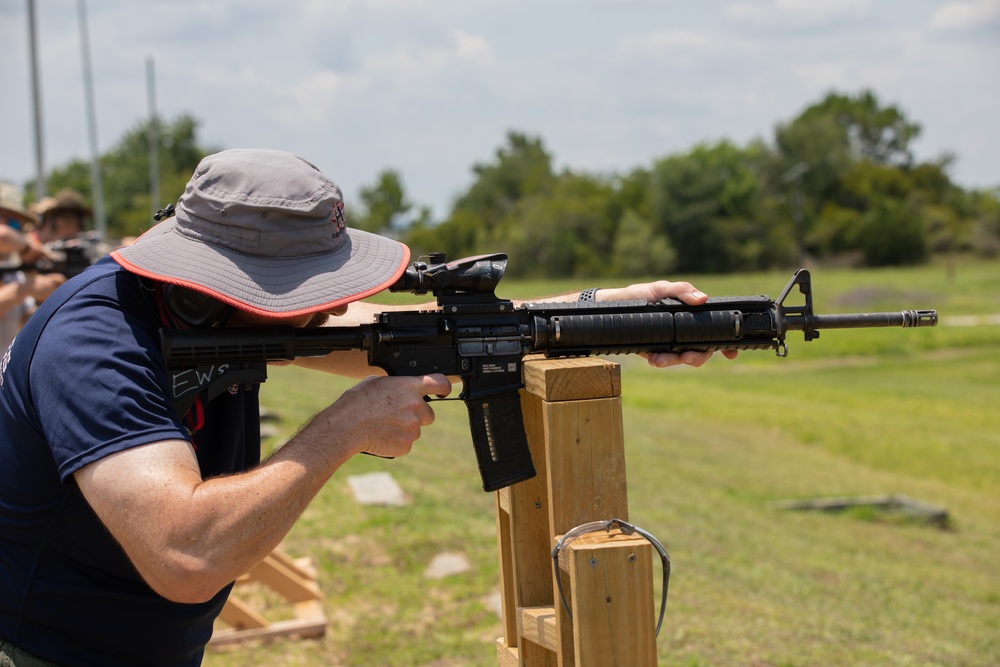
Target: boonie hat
[[264, 231], [65, 201], [10, 205]]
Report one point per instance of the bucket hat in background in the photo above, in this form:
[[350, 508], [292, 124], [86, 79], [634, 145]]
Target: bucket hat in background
[[65, 201], [264, 231], [11, 207]]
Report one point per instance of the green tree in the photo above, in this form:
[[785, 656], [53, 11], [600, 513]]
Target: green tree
[[891, 234], [567, 231], [804, 171], [125, 173], [522, 168], [874, 132], [843, 164], [639, 250], [384, 204], [976, 221], [460, 236], [486, 216], [707, 202]]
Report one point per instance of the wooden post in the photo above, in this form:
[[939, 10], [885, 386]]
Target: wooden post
[[572, 413]]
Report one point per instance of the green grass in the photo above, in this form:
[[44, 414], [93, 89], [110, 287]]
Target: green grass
[[860, 412]]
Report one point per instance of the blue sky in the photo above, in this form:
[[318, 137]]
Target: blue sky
[[431, 87]]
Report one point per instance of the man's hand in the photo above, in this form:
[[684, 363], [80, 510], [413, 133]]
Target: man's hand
[[384, 415], [39, 286], [664, 289]]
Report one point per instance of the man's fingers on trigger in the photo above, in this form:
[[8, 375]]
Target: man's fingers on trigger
[[436, 384]]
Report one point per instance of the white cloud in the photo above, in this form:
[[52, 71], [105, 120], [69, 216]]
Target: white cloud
[[430, 87], [963, 15], [827, 75], [658, 42], [425, 61], [782, 14]]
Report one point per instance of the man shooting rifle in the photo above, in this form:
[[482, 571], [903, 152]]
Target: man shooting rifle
[[122, 523]]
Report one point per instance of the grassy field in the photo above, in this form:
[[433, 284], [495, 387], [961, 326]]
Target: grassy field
[[869, 412]]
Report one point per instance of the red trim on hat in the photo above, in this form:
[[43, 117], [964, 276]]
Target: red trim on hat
[[132, 268]]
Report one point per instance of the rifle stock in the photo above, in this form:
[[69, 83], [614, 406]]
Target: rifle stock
[[483, 340]]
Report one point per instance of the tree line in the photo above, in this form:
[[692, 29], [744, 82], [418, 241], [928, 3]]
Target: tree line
[[837, 183]]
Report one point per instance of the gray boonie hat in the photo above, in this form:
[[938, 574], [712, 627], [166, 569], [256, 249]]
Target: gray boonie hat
[[264, 231]]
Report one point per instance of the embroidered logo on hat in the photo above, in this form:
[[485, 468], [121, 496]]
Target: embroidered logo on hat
[[339, 223]]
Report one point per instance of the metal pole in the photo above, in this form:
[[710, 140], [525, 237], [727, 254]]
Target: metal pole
[[97, 191], [154, 140], [36, 98]]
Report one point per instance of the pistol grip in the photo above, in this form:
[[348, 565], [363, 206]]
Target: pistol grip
[[500, 442]]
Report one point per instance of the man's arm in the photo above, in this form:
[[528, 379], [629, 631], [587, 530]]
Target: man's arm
[[29, 248], [12, 240], [188, 536], [35, 285]]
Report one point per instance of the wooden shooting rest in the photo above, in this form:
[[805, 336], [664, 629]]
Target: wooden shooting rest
[[573, 417], [292, 579]]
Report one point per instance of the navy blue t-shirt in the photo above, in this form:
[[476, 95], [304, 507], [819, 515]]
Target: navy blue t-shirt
[[84, 379]]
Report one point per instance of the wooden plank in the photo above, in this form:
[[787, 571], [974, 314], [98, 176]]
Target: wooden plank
[[239, 615], [295, 581], [529, 519], [585, 463], [586, 480], [508, 616], [531, 534], [503, 499], [612, 603], [584, 458], [307, 628], [507, 656], [538, 625], [287, 582], [303, 567], [572, 379]]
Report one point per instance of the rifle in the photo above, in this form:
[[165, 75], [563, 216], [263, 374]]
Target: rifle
[[483, 339], [68, 257]]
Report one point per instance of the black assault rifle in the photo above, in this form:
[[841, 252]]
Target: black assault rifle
[[483, 340], [68, 257]]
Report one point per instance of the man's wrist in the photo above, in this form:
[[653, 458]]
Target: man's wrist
[[589, 294]]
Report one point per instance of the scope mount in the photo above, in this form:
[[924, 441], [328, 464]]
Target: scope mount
[[460, 285]]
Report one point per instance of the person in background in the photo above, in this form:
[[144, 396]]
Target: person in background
[[19, 290], [63, 217]]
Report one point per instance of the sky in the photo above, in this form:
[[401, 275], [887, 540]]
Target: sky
[[431, 88]]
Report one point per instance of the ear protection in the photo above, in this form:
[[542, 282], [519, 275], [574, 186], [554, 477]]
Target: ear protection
[[194, 308]]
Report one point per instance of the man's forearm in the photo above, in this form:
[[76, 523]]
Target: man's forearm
[[189, 537], [11, 295]]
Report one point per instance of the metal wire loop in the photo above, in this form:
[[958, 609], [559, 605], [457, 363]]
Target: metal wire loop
[[626, 529]]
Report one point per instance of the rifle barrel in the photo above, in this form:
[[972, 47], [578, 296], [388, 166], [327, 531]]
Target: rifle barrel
[[902, 318]]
